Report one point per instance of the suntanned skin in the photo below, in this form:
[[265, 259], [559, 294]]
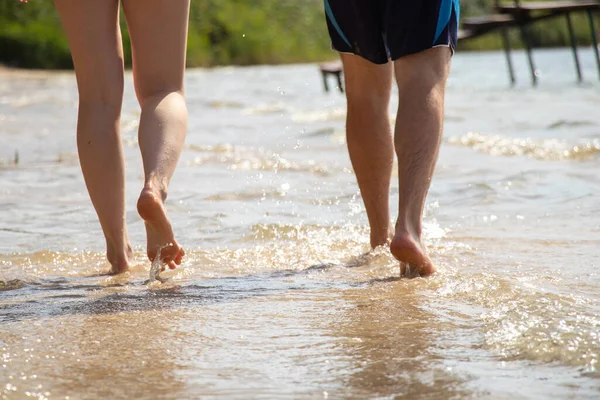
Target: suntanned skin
[[421, 80], [158, 31]]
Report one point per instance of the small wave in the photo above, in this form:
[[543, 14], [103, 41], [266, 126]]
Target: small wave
[[131, 140], [225, 104], [335, 114], [22, 101], [524, 322], [217, 149], [544, 327], [244, 159], [321, 132], [45, 264], [69, 158], [265, 109], [250, 195], [547, 149], [267, 232], [568, 124], [11, 285], [130, 126]]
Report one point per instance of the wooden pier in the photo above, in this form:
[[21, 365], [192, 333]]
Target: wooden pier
[[520, 15], [335, 69]]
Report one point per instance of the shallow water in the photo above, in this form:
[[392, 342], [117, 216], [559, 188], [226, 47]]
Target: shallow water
[[275, 299]]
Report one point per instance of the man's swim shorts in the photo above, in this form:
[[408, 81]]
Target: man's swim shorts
[[383, 30]]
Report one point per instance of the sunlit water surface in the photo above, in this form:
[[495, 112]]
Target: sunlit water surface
[[276, 299]]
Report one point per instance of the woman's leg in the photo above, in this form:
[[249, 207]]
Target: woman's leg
[[158, 31], [92, 27]]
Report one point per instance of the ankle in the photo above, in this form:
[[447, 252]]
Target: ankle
[[119, 255], [157, 187], [404, 228], [118, 245], [381, 238], [119, 265]]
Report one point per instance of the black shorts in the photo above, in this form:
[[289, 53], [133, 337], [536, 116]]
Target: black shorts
[[383, 30]]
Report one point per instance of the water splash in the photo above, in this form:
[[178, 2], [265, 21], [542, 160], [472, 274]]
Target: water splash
[[157, 267]]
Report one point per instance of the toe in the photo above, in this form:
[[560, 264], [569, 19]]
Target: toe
[[151, 255], [179, 256], [172, 265]]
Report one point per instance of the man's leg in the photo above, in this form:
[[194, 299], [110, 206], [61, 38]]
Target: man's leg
[[421, 82], [369, 138]]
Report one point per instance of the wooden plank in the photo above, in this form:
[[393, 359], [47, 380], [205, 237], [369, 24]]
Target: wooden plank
[[487, 22], [561, 6], [477, 26], [466, 34], [488, 19], [334, 67]]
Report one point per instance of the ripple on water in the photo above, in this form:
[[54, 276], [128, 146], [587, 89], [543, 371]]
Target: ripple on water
[[548, 149], [523, 321]]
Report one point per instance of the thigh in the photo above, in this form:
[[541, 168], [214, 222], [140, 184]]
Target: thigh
[[368, 85], [92, 28], [413, 26], [355, 26], [425, 70], [158, 31]]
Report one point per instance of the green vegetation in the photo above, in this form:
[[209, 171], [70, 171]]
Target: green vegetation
[[32, 36], [222, 32], [237, 32], [257, 32]]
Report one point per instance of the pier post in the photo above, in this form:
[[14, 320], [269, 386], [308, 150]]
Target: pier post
[[525, 38], [522, 18], [594, 38], [335, 69], [325, 84], [340, 85], [506, 41], [574, 46]]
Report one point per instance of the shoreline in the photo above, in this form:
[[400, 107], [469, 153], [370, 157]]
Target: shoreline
[[7, 69]]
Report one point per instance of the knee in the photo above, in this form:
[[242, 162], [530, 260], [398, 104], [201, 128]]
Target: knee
[[423, 74], [153, 98], [367, 102], [156, 86], [104, 94]]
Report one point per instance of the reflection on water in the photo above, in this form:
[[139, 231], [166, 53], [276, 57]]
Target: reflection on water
[[277, 297], [389, 339]]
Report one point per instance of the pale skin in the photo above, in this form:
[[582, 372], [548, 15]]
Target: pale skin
[[158, 31], [421, 80]]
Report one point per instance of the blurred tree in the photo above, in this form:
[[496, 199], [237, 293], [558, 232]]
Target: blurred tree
[[226, 32]]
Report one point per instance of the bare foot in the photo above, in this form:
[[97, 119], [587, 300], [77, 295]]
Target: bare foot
[[414, 260], [159, 232], [119, 261]]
